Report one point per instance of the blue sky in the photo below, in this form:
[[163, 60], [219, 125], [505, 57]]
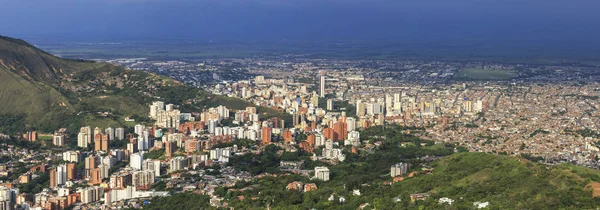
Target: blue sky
[[546, 21]]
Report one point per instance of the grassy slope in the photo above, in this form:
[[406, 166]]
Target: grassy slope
[[30, 84], [506, 182], [18, 95]]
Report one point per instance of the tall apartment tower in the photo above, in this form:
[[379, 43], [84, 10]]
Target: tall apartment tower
[[266, 135], [329, 104], [322, 92]]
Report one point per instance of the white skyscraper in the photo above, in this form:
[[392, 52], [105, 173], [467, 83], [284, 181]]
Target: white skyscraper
[[353, 139], [119, 134], [212, 124], [351, 123], [61, 174], [136, 160], [399, 169], [83, 139], [142, 143], [360, 108], [155, 108], [139, 129], [329, 104], [322, 173], [152, 165], [111, 133], [223, 112], [322, 87]]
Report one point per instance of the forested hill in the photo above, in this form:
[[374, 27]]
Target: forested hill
[[39, 91]]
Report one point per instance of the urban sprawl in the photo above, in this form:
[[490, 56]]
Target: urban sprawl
[[536, 111]]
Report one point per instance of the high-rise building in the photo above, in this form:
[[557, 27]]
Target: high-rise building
[[52, 174], [170, 148], [139, 129], [59, 139], [71, 156], [468, 106], [91, 194], [97, 131], [322, 173], [169, 118], [192, 146], [178, 163], [223, 112], [377, 108], [83, 139], [314, 100], [399, 169], [266, 135], [155, 107], [91, 162], [136, 160], [132, 148], [142, 178], [340, 130], [478, 106], [329, 104], [120, 180], [71, 171], [322, 92], [360, 108], [31, 136], [95, 176], [353, 139], [60, 175], [151, 165], [212, 124], [144, 141], [319, 140], [119, 134], [110, 132], [351, 123], [329, 134], [101, 142], [311, 139]]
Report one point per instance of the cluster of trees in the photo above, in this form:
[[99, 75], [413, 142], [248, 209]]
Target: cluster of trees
[[239, 142], [180, 201], [11, 124], [154, 154], [36, 185], [267, 162]]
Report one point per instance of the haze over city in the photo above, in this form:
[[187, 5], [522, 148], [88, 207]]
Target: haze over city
[[554, 22]]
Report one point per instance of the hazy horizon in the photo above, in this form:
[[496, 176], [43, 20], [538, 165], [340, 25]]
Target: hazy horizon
[[461, 21]]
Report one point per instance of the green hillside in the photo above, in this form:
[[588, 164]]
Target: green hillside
[[34, 64], [44, 92], [505, 182]]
